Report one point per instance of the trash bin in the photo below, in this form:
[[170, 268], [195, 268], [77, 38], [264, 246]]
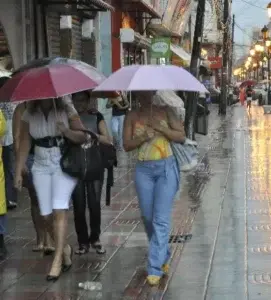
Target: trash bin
[[202, 117]]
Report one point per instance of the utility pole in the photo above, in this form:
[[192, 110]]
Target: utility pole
[[191, 107], [232, 49], [225, 56]]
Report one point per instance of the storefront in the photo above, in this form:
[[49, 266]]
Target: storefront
[[12, 34], [134, 15]]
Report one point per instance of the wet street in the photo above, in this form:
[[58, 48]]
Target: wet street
[[220, 240]]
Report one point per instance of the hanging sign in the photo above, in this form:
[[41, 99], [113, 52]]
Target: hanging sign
[[215, 62], [160, 47]]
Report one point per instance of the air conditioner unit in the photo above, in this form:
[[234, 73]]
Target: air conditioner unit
[[87, 29]]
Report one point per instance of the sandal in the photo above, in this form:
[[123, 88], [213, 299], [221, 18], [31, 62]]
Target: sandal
[[98, 247], [83, 249], [38, 248], [48, 250], [67, 258]]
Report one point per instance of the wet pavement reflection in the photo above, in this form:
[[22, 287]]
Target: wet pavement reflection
[[212, 202]]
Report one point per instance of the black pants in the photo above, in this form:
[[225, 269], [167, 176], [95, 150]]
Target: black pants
[[8, 164], [87, 193]]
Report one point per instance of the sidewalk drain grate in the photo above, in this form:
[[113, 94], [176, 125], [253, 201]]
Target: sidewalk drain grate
[[258, 212], [126, 222], [266, 249], [265, 227], [259, 278], [181, 238]]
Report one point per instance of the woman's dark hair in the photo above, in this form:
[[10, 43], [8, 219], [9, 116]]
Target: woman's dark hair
[[33, 106], [86, 93], [3, 80]]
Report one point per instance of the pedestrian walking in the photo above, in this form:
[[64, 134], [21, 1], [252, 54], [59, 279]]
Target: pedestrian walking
[[150, 130], [3, 205], [43, 240], [47, 122], [7, 109], [242, 96], [249, 92], [88, 193], [120, 107]]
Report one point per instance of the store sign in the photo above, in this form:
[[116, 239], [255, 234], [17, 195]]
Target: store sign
[[160, 47], [215, 62]]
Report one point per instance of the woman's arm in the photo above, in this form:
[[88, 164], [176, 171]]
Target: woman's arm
[[24, 148], [74, 133], [130, 143], [104, 136], [16, 125]]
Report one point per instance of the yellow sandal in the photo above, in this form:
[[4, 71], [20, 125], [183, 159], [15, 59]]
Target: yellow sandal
[[153, 280]]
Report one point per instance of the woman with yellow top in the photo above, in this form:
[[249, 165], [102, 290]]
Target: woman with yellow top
[[3, 208], [150, 130]]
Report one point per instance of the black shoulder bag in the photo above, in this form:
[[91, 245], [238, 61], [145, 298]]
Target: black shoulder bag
[[83, 161]]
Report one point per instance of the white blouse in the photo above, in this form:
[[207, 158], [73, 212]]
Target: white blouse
[[47, 159]]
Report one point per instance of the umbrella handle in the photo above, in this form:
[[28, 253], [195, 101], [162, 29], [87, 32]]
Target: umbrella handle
[[54, 104]]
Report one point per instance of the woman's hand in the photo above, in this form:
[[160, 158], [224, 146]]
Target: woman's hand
[[62, 128], [156, 125], [18, 181], [147, 135]]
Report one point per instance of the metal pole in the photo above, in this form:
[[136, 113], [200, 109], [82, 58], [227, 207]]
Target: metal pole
[[232, 49], [191, 108], [223, 101]]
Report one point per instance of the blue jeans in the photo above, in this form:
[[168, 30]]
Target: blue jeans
[[157, 183], [117, 129]]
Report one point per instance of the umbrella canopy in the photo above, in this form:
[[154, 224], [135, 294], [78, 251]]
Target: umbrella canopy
[[45, 61], [247, 83], [50, 81], [151, 78]]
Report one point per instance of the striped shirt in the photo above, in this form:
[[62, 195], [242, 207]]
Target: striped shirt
[[47, 159]]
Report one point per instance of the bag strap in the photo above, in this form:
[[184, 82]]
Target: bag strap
[[109, 184]]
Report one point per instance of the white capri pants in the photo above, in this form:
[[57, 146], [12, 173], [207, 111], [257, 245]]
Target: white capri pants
[[54, 190]]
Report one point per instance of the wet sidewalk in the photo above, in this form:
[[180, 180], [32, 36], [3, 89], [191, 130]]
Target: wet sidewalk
[[226, 257], [229, 254]]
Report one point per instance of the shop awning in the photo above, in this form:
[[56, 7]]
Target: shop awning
[[101, 4], [142, 41], [141, 6], [78, 5], [179, 51]]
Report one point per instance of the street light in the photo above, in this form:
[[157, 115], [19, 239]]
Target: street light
[[265, 32], [269, 10]]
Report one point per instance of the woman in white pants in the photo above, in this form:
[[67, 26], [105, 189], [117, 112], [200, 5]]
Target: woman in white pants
[[45, 126]]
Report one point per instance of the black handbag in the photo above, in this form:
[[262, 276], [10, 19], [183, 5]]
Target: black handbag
[[83, 161]]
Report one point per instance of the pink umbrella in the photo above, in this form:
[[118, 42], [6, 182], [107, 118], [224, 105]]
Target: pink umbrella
[[50, 81], [151, 78]]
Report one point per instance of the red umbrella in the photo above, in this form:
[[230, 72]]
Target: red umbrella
[[248, 83], [51, 81]]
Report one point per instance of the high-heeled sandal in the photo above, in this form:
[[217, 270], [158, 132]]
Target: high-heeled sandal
[[54, 277], [67, 258], [38, 248], [48, 250]]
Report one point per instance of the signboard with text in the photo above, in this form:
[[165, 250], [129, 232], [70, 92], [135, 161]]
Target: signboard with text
[[215, 62], [160, 47]]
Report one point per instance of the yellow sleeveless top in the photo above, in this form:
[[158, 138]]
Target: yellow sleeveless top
[[155, 149]]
